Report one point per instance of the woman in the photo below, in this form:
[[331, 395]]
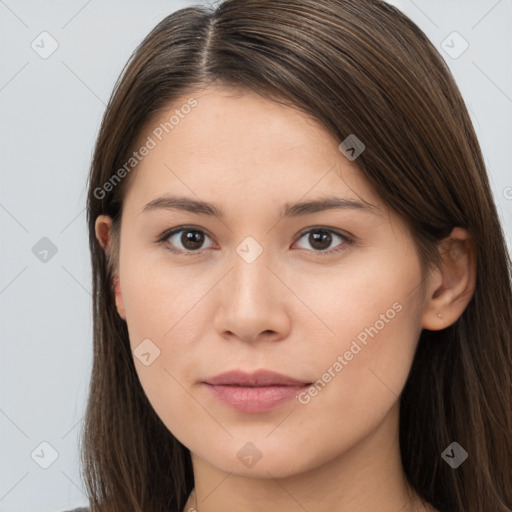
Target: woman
[[302, 294]]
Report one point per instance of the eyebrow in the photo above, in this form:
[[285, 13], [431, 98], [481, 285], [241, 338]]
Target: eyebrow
[[288, 210]]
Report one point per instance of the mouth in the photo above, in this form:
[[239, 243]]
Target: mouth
[[254, 393]]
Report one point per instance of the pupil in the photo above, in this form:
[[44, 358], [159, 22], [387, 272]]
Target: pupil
[[319, 239], [192, 239]]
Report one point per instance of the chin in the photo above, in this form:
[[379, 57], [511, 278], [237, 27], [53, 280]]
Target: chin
[[259, 459]]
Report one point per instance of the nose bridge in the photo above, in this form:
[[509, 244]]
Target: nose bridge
[[250, 301], [250, 275]]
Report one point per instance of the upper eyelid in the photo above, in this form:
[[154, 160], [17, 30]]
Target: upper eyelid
[[324, 228]]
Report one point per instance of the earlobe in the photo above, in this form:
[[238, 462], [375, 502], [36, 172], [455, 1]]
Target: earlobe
[[452, 286]]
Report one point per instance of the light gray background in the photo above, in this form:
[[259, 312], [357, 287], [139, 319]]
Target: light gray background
[[50, 111]]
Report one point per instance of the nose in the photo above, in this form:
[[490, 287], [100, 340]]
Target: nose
[[253, 302]]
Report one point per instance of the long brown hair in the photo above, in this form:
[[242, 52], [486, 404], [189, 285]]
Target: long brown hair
[[359, 67]]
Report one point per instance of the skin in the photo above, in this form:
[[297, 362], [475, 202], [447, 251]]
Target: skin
[[292, 310]]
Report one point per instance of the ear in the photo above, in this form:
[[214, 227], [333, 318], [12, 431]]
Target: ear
[[451, 287], [103, 227]]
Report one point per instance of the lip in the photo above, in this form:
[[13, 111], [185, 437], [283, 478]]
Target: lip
[[255, 392], [257, 378]]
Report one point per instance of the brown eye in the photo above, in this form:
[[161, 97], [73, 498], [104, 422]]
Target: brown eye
[[185, 240], [321, 239]]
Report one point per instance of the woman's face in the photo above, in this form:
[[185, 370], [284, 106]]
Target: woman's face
[[323, 295]]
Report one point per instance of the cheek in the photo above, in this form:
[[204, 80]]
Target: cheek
[[166, 316], [371, 324], [160, 300]]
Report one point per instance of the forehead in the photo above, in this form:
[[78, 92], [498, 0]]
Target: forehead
[[222, 139]]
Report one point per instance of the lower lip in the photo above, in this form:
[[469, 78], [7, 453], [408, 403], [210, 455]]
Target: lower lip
[[255, 399]]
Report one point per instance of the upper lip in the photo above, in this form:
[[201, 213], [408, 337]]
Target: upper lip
[[257, 378]]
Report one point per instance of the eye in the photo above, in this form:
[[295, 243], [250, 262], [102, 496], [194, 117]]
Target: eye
[[321, 238], [184, 240], [190, 240]]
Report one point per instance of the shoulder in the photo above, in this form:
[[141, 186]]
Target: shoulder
[[83, 509]]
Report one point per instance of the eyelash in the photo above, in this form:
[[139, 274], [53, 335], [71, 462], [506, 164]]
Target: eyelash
[[347, 240]]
